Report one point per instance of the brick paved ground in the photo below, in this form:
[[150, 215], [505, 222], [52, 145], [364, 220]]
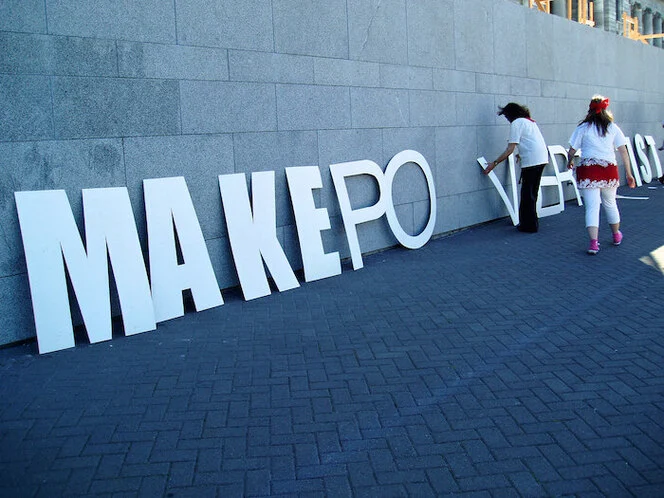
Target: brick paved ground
[[488, 363]]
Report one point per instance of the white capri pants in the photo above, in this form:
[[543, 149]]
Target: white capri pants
[[593, 197]]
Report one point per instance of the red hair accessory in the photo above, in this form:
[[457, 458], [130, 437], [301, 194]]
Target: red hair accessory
[[599, 106]]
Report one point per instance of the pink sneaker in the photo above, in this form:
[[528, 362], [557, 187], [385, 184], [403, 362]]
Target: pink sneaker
[[594, 247], [617, 238]]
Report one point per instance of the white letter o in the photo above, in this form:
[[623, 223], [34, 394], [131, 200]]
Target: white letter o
[[406, 240]]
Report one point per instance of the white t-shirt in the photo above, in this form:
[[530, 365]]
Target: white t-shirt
[[532, 148], [595, 146]]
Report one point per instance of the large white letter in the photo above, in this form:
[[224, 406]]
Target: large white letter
[[512, 207], [109, 222], [310, 221], [353, 217], [406, 240], [652, 152], [168, 209], [253, 237], [635, 165], [49, 233], [643, 158]]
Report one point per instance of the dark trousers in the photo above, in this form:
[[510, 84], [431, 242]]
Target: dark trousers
[[530, 183]]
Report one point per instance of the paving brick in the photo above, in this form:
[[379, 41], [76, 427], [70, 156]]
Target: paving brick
[[571, 487], [116, 485]]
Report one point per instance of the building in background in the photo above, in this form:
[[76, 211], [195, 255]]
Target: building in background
[[644, 17]]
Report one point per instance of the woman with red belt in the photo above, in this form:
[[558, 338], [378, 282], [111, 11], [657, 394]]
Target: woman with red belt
[[597, 176]]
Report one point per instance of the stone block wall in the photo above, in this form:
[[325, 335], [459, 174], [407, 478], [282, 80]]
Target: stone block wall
[[98, 93]]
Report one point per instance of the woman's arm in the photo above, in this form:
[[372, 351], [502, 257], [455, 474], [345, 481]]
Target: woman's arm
[[570, 157], [628, 166], [510, 148]]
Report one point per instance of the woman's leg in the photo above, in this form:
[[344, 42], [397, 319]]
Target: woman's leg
[[530, 183], [592, 201], [612, 213], [611, 208]]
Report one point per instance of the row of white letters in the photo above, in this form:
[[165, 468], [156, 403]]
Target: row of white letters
[[51, 240], [646, 151]]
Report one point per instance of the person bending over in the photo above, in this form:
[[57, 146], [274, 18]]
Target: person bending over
[[533, 157]]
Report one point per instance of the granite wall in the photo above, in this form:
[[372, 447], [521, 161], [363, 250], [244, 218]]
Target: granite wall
[[98, 93]]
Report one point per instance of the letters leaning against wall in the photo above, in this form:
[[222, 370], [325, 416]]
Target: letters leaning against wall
[[52, 242], [646, 151], [53, 245]]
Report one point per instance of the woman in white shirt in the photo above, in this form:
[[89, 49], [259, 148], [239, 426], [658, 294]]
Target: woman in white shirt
[[597, 175], [533, 157]]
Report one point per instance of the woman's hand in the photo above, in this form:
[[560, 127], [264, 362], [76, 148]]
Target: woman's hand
[[490, 166], [570, 165], [630, 181]]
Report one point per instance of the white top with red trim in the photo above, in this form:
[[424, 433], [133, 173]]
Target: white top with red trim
[[593, 145]]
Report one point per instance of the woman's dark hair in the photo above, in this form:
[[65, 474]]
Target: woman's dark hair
[[513, 111], [598, 115]]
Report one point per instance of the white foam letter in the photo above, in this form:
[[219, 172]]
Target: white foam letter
[[169, 209], [512, 207], [253, 237], [652, 152], [646, 171], [353, 217], [635, 165], [310, 221], [50, 233], [406, 240]]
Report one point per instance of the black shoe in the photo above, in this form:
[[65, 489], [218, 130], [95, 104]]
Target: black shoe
[[526, 230]]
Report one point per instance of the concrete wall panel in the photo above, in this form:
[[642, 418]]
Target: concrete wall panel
[[525, 87], [316, 27], [25, 108], [456, 166], [22, 53], [476, 109], [474, 36], [308, 107], [493, 83], [416, 78], [211, 107], [538, 30], [23, 15], [114, 107], [150, 60], [379, 108], [270, 67], [243, 24], [454, 81], [147, 20], [511, 43], [431, 33], [378, 31], [346, 73], [432, 108]]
